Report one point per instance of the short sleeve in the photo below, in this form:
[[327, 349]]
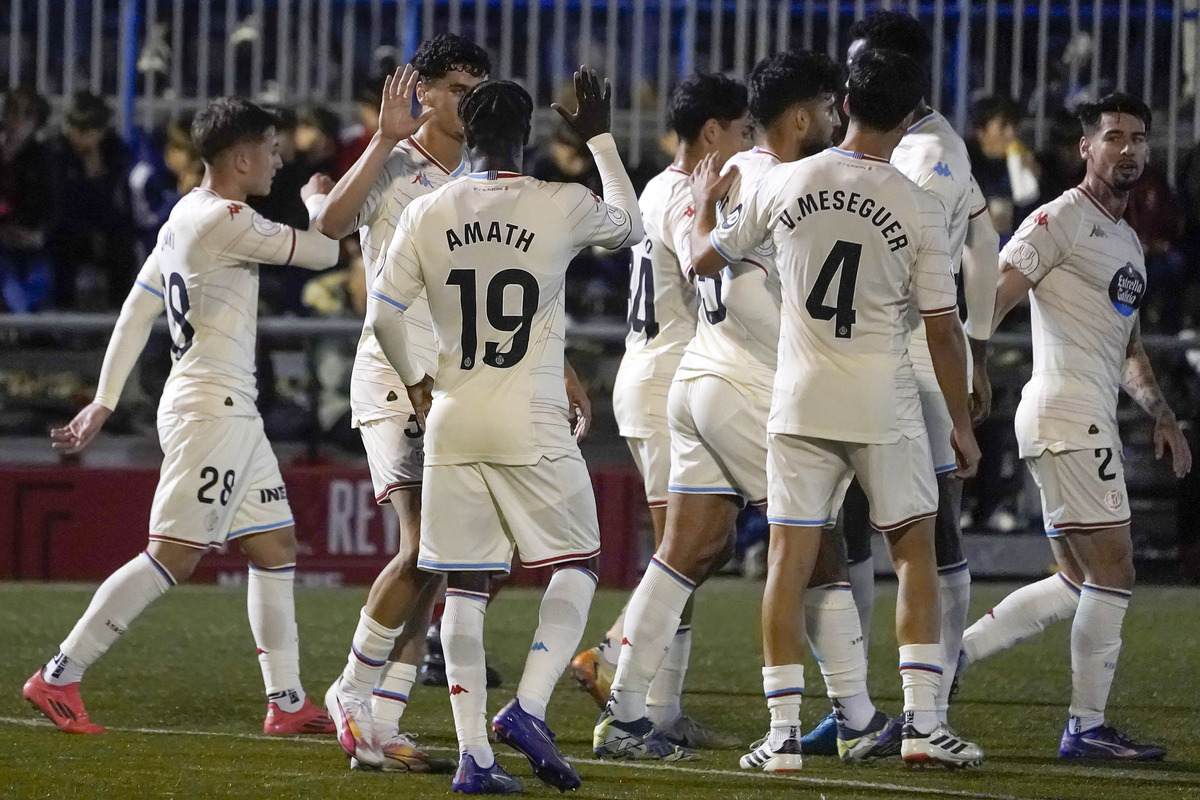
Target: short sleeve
[[743, 221], [400, 279], [976, 202], [592, 222], [150, 278], [678, 230], [377, 194], [239, 232], [1041, 243], [933, 275]]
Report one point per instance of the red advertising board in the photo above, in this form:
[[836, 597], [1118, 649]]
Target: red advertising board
[[72, 523]]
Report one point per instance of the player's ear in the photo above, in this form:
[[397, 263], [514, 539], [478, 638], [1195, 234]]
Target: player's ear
[[802, 119], [846, 105], [422, 91], [1085, 148], [710, 131]]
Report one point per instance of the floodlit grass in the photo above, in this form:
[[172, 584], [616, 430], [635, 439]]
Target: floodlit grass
[[182, 697]]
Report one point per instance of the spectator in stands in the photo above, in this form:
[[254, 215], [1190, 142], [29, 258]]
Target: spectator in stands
[[167, 168], [92, 231], [25, 269], [1153, 212], [356, 138], [317, 140], [1061, 166], [1002, 166]]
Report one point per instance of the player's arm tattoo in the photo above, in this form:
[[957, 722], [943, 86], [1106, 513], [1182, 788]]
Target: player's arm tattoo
[[1137, 377]]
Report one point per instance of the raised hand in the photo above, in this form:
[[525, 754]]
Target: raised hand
[[708, 184], [396, 120], [79, 432], [594, 115]]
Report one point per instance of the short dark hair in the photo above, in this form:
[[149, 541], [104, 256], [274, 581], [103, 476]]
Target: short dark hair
[[496, 116], [89, 112], [996, 107], [448, 52], [781, 81], [228, 121], [702, 97], [1117, 103], [24, 101], [895, 30], [884, 88]]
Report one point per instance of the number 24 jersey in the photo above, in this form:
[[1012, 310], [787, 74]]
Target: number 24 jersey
[[856, 243], [491, 251]]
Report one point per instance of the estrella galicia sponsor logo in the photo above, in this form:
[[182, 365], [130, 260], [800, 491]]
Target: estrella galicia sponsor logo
[[1126, 290]]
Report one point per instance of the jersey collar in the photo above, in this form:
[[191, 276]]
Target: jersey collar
[[494, 175], [853, 154], [765, 152], [1097, 203], [462, 165], [921, 122]]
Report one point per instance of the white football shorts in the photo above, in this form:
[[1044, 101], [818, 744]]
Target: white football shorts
[[219, 481], [807, 480], [395, 453], [1082, 490], [718, 438], [474, 515], [652, 454]]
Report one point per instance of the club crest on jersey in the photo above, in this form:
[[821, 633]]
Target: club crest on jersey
[[1126, 290], [943, 169], [263, 225], [1024, 257], [617, 217], [1113, 499]]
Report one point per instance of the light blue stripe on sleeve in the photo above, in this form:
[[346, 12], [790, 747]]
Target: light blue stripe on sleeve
[[150, 289], [712, 237], [388, 300]]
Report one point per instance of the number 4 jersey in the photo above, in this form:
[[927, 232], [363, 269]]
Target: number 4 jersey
[[205, 268], [491, 251], [856, 243]]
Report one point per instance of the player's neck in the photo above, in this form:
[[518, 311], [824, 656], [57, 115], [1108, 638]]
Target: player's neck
[[870, 142], [688, 155], [447, 150], [222, 186], [490, 162], [783, 143], [1114, 202]]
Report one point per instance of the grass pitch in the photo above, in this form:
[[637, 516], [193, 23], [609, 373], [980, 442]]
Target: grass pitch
[[182, 698]]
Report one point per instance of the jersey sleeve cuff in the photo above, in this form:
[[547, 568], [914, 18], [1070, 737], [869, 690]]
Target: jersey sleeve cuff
[[712, 238], [938, 312]]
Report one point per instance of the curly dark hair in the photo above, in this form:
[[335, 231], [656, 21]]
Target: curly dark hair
[[702, 97], [781, 81], [883, 89], [895, 30], [449, 52], [1117, 103], [496, 116], [228, 121]]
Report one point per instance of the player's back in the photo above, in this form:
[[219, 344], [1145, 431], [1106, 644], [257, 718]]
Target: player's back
[[737, 331], [852, 237], [208, 251], [662, 307], [492, 251], [933, 156]]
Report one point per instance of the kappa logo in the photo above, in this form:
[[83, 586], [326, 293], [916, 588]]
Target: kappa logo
[[625, 640], [691, 212], [1042, 219], [539, 646], [943, 170], [457, 689], [1097, 231], [234, 210], [421, 179]]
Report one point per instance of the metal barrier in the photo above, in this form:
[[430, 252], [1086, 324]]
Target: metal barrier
[[157, 58]]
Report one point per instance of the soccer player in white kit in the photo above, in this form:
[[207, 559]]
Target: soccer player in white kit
[[933, 156], [1083, 270], [406, 159], [709, 115], [856, 245], [718, 413], [219, 480], [502, 469]]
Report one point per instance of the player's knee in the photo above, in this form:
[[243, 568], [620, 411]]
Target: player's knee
[[590, 565], [178, 560], [470, 581]]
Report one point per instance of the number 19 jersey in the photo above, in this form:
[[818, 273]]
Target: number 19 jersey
[[491, 252], [856, 243]]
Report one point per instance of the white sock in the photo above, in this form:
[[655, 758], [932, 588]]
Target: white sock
[[784, 687], [1095, 644], [663, 700], [862, 586], [390, 696], [1026, 612], [920, 673], [561, 620], [271, 606], [954, 592], [610, 648], [836, 641], [116, 604], [369, 650], [466, 672], [650, 625]]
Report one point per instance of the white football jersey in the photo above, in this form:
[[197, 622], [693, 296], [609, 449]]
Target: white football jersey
[[737, 333], [208, 253], [375, 389], [856, 243], [491, 252], [662, 303], [1089, 278]]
